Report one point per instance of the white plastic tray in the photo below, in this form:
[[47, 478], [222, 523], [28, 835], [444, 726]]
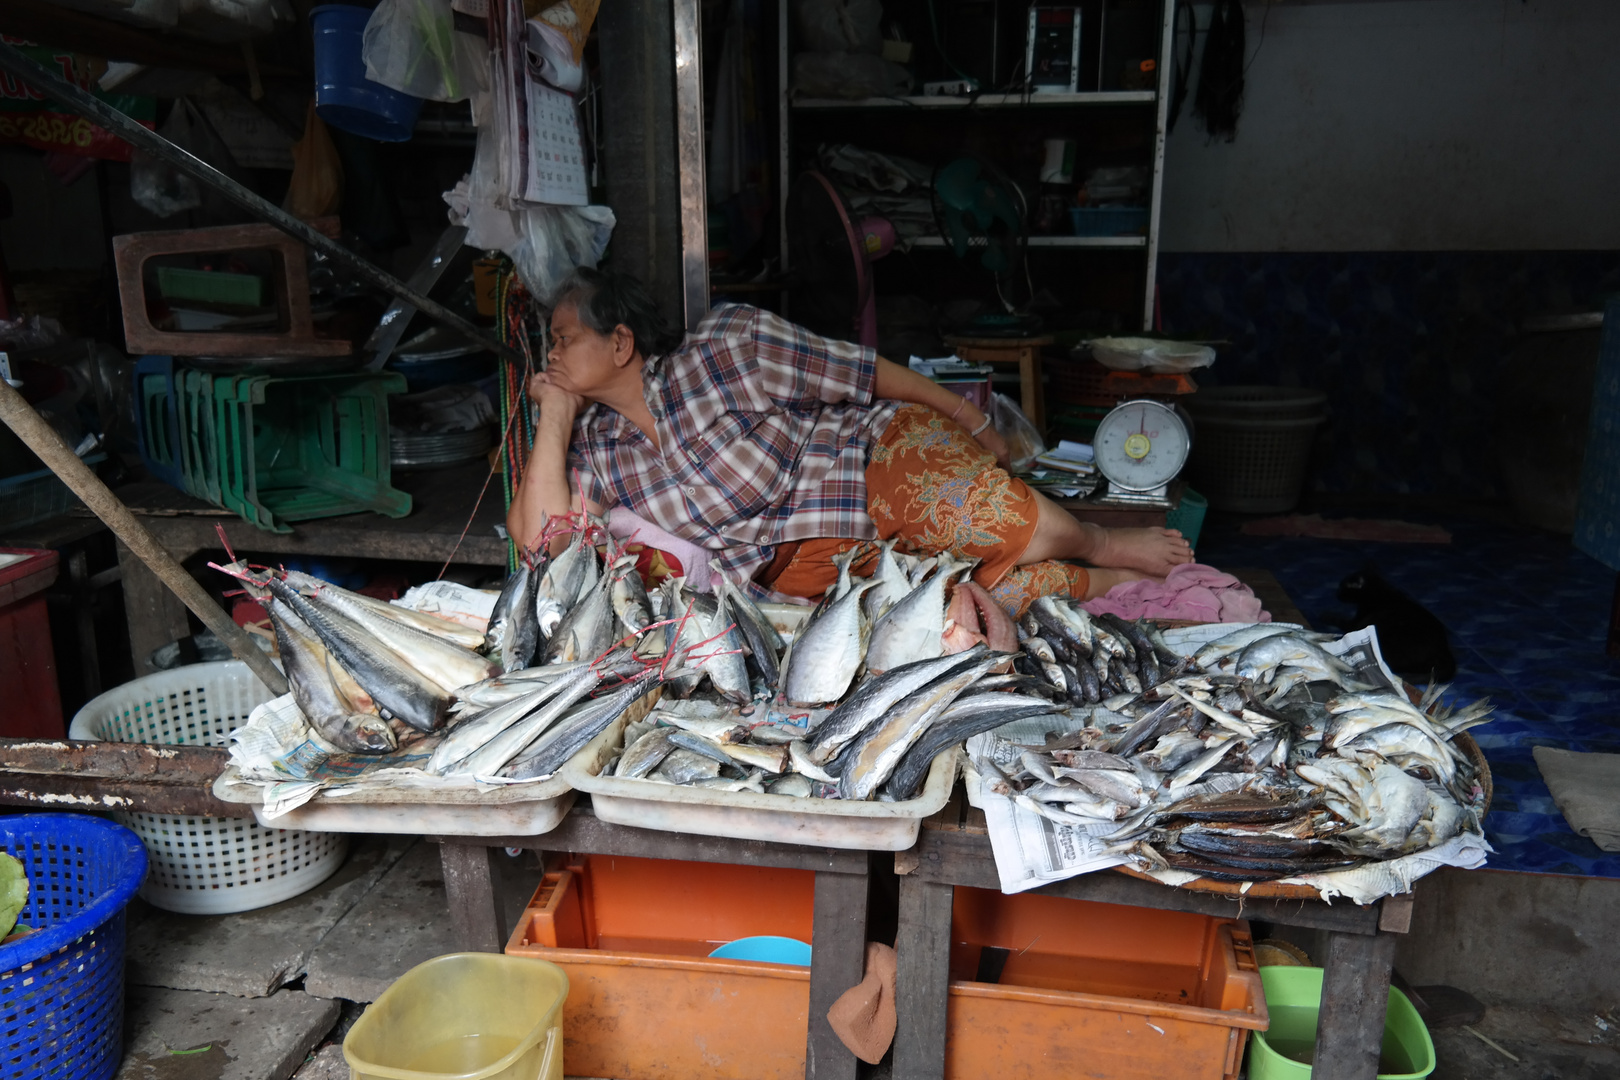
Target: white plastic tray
[[449, 810], [751, 815]]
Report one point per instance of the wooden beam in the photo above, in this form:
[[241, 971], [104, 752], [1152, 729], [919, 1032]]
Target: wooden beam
[[839, 934], [469, 887], [962, 858], [584, 832], [1355, 994], [922, 985], [60, 774]]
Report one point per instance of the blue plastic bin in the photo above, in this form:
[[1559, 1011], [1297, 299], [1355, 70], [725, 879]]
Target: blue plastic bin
[[62, 987], [1108, 220], [344, 97]]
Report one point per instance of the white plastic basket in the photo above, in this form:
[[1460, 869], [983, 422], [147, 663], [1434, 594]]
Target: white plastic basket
[[203, 865]]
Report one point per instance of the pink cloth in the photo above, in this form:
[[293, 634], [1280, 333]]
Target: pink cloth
[[1192, 591], [626, 525]]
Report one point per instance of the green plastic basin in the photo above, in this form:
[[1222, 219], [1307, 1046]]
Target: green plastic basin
[[1293, 996]]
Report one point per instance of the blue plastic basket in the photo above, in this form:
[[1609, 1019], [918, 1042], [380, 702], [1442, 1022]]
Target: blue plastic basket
[[344, 97], [62, 987]]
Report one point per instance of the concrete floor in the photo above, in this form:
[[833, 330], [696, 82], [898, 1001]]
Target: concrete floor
[[263, 995]]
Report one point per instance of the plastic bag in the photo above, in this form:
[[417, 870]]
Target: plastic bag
[[834, 26], [412, 46], [317, 177], [1023, 441], [154, 184], [554, 240]]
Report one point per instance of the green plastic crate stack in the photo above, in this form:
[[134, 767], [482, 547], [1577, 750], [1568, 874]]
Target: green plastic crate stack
[[274, 450], [294, 449]]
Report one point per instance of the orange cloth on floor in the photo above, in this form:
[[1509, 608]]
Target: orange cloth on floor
[[933, 486]]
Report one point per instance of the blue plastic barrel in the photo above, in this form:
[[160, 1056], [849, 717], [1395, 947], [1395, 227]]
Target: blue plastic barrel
[[62, 987], [344, 97]]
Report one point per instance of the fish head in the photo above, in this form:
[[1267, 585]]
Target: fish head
[[375, 735]]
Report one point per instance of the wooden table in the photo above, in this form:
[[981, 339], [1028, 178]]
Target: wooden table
[[443, 502], [954, 849], [1025, 352], [839, 927]]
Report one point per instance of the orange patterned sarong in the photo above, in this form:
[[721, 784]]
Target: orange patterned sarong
[[930, 484]]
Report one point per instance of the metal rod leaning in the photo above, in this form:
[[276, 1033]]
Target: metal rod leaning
[[88, 105], [43, 440]]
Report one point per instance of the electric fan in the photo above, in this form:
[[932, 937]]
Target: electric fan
[[982, 215], [829, 278]]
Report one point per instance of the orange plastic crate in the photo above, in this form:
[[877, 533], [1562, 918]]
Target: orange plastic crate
[[1103, 990], [645, 1001]]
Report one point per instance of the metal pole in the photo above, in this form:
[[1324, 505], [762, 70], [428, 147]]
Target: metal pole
[[689, 151], [87, 104]]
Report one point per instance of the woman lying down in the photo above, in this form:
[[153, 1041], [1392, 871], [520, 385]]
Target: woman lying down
[[786, 455]]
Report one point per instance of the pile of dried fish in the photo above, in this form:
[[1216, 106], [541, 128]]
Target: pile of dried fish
[[1261, 756], [857, 707], [374, 678]]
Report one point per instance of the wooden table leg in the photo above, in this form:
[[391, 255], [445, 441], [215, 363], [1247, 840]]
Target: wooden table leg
[[469, 888], [1029, 384], [1355, 994], [923, 983], [155, 615], [84, 621], [838, 963]]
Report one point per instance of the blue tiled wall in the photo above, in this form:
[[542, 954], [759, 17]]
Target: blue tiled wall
[[1408, 346]]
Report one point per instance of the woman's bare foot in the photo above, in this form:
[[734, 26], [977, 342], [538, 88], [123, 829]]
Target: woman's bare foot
[[1103, 579], [1153, 551]]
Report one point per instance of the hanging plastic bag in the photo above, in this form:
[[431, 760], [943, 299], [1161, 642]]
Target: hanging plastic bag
[[317, 177], [413, 46], [1023, 441], [557, 239], [154, 184]]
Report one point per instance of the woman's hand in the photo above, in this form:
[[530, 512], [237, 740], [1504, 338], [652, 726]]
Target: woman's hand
[[992, 441], [989, 438], [553, 399]]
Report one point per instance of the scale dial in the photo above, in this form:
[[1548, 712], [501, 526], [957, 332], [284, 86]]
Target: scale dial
[[1141, 446]]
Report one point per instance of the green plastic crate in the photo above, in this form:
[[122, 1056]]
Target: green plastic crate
[[210, 286], [273, 450], [1188, 516], [301, 448]]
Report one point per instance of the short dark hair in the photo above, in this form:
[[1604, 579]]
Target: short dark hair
[[606, 299]]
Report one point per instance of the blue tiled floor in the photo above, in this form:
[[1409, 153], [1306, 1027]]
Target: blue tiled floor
[[1528, 617]]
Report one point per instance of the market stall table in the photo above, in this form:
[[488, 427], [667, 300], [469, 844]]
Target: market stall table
[[839, 945], [442, 526], [953, 849]]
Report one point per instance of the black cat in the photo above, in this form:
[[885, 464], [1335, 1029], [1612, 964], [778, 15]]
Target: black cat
[[1412, 640]]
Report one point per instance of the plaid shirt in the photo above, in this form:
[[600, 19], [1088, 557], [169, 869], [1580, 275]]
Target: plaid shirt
[[765, 430]]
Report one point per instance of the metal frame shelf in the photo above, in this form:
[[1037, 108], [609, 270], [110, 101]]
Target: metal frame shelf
[[788, 104], [982, 101]]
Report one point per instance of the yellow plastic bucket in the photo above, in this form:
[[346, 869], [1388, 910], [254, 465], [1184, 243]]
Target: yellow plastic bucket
[[466, 1016]]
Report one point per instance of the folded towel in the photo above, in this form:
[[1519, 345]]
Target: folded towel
[[1586, 788], [1192, 591]]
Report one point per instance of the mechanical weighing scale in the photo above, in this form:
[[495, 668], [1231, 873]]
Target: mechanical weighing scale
[[1140, 447]]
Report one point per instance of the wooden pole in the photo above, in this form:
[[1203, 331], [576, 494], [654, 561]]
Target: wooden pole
[[43, 440]]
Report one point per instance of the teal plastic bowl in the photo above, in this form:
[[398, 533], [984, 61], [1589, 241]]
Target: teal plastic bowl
[[1293, 998], [767, 949]]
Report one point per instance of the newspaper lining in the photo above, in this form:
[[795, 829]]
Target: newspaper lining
[[1031, 850]]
